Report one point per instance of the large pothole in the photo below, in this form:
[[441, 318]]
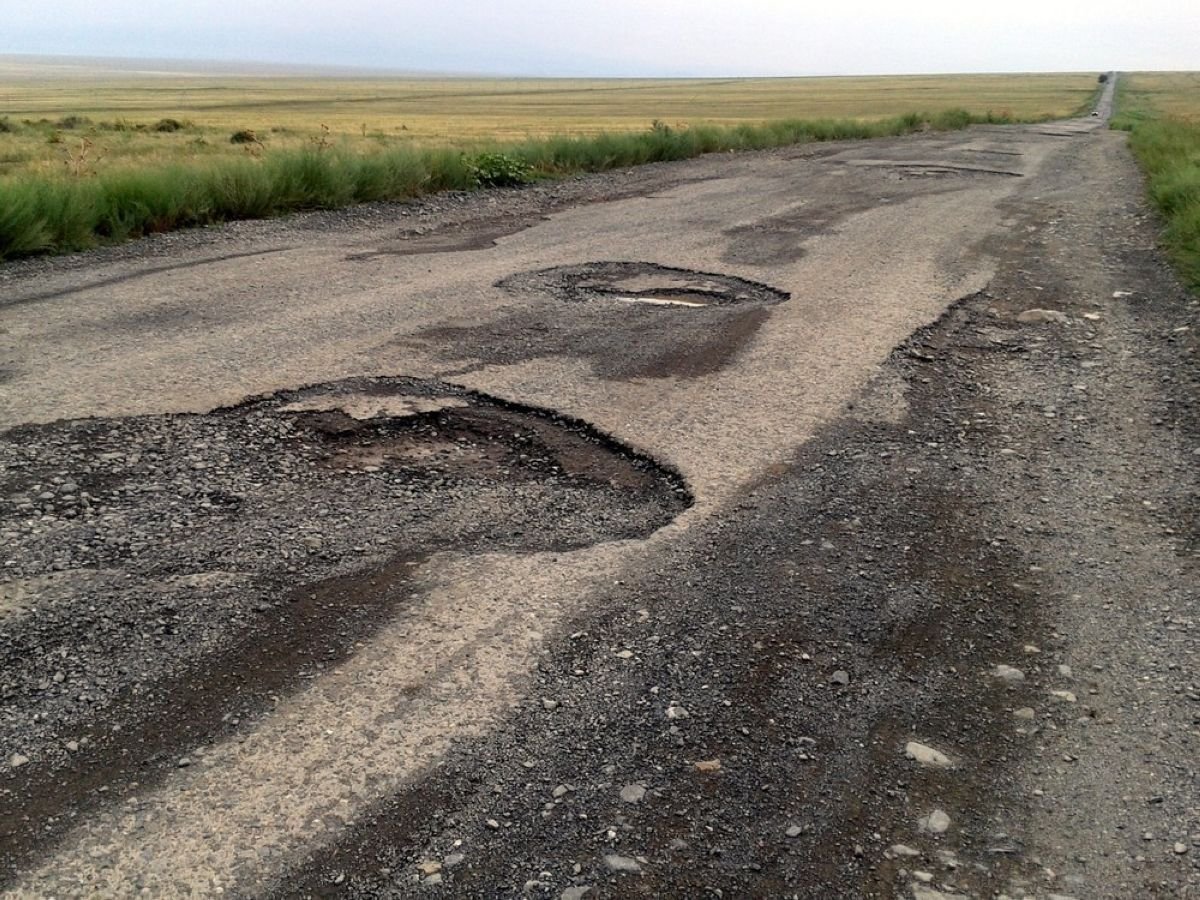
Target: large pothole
[[642, 283], [167, 576]]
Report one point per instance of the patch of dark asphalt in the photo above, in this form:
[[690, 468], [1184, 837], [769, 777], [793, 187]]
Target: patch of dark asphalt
[[605, 281], [188, 570], [621, 341], [867, 555], [630, 320], [21, 299], [780, 239], [450, 239]]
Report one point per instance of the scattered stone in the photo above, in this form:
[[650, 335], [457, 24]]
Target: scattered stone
[[708, 765], [625, 865], [937, 822], [624, 654], [429, 867], [926, 755], [547, 703], [1025, 712], [923, 892], [1043, 317], [72, 746], [492, 824], [677, 712], [794, 831], [561, 791], [841, 677], [903, 850], [1064, 695], [1008, 674], [17, 760], [633, 793]]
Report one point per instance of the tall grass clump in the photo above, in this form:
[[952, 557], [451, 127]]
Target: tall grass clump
[[1168, 151], [40, 214]]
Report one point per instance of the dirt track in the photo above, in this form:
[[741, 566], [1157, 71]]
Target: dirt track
[[615, 535]]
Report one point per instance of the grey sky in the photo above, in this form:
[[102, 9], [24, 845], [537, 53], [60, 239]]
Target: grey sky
[[625, 37]]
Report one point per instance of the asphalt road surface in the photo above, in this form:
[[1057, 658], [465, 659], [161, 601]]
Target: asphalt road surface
[[809, 523]]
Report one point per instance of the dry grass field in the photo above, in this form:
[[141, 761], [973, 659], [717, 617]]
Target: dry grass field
[[63, 120], [1174, 94]]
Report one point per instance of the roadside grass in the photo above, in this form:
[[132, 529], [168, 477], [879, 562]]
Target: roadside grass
[[1167, 147], [41, 215]]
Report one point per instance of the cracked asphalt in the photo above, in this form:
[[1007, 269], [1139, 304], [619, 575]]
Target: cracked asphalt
[[811, 523]]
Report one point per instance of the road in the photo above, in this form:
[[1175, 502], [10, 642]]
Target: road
[[817, 522]]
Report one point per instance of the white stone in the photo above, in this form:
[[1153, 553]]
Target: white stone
[[926, 755], [937, 822]]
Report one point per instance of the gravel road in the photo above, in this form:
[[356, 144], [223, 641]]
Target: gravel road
[[811, 523]]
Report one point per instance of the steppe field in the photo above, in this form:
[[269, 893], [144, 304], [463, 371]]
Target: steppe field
[[47, 113]]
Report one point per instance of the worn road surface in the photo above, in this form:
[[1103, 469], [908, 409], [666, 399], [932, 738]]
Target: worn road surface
[[811, 523]]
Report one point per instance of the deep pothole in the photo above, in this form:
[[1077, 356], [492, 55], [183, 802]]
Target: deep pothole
[[642, 284], [167, 576]]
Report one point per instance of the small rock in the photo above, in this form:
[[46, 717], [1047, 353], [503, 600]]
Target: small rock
[[17, 760], [677, 712], [560, 791], [903, 850], [924, 877], [937, 822], [1064, 695], [184, 762], [429, 867], [1065, 671], [576, 893], [454, 859], [547, 703], [633, 793], [1025, 712], [624, 654], [922, 892], [1008, 674], [434, 879], [708, 765], [72, 746], [926, 755], [794, 831], [841, 677], [1180, 848], [622, 864], [1032, 649], [1043, 317], [492, 824]]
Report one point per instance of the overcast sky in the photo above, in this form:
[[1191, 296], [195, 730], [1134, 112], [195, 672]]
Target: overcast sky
[[625, 37]]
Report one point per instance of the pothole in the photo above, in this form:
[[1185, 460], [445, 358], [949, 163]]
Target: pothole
[[169, 575], [643, 284]]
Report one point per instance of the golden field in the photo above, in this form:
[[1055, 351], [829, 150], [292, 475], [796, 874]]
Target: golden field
[[115, 113], [1162, 93]]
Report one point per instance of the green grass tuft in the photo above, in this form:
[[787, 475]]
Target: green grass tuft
[[1168, 150]]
